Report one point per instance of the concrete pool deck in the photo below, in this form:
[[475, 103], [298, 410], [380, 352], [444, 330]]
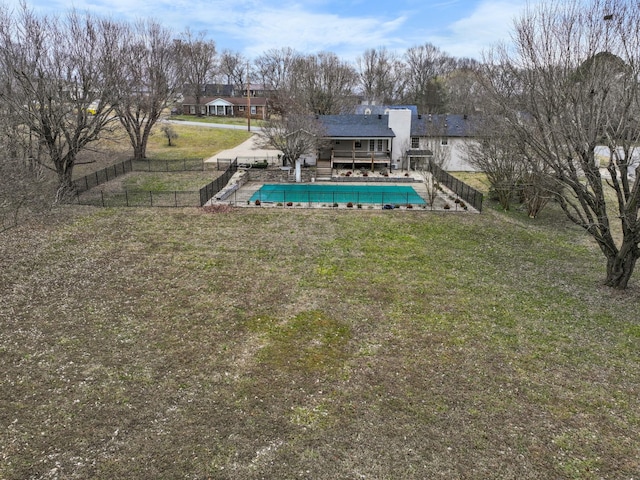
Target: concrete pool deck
[[241, 198], [251, 148]]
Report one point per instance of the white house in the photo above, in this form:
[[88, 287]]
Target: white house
[[398, 138]]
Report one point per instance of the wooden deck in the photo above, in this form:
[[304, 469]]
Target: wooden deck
[[361, 159]]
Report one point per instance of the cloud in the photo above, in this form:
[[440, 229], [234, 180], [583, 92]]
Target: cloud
[[255, 26], [490, 23], [308, 31]]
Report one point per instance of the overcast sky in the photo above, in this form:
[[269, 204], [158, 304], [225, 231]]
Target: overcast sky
[[462, 28]]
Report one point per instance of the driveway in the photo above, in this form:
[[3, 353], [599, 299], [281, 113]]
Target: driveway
[[212, 125], [248, 151]]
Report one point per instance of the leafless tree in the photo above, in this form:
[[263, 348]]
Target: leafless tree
[[56, 68], [197, 62], [573, 88], [322, 84], [538, 187], [500, 156], [380, 75], [149, 70], [274, 68], [426, 67], [234, 67], [463, 89], [24, 185], [169, 133], [294, 135]]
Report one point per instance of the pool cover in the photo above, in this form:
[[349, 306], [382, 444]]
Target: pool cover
[[315, 193]]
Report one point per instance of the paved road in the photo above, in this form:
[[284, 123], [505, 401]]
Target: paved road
[[213, 125]]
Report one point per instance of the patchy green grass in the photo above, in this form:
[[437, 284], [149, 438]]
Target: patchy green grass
[[313, 344], [167, 182], [221, 120], [193, 142], [477, 180]]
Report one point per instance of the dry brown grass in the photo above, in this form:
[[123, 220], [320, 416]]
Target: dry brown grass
[[188, 343]]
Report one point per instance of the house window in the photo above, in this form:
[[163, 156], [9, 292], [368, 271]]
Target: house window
[[241, 108], [380, 145], [337, 142], [415, 142], [254, 110], [203, 110], [444, 142], [192, 109], [372, 145], [358, 144]]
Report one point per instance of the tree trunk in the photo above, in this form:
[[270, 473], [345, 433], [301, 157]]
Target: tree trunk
[[139, 151], [66, 188], [620, 267]]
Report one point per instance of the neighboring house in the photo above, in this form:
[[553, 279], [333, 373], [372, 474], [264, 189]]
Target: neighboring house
[[398, 139], [218, 90], [228, 90], [258, 90], [226, 107]]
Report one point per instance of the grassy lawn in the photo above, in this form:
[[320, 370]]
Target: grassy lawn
[[194, 143], [475, 180], [161, 181], [222, 120], [162, 344]]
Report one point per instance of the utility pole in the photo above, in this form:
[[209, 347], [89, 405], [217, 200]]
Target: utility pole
[[248, 101]]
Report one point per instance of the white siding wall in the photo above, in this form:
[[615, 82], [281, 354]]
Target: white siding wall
[[458, 161], [400, 123]]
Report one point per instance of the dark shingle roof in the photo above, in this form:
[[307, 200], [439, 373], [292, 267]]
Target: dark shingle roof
[[241, 101], [443, 126], [356, 126], [383, 109]]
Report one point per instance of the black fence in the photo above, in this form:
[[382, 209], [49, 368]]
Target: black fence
[[113, 171], [138, 198], [461, 189], [194, 165], [142, 198], [208, 191], [102, 176]]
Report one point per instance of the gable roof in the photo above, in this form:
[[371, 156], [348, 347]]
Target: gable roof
[[221, 89], [238, 101], [356, 126], [444, 125]]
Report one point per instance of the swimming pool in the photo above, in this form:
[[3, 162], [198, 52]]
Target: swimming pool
[[315, 193]]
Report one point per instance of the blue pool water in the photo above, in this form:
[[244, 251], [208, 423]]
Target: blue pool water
[[315, 193]]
